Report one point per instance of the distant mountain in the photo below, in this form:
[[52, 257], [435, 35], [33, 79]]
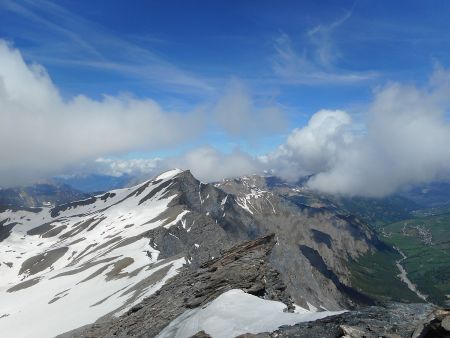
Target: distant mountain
[[38, 195], [94, 183], [432, 195], [102, 255]]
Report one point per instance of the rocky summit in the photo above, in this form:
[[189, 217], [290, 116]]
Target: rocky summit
[[175, 257]]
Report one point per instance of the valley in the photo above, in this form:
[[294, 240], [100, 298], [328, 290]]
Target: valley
[[425, 242]]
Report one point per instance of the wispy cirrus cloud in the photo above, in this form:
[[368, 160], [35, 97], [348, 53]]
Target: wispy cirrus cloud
[[59, 36], [317, 62]]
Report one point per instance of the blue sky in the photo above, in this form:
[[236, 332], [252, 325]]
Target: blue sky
[[183, 52], [297, 57]]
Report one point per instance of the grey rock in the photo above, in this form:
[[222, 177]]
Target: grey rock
[[391, 320], [201, 334], [446, 323], [245, 267], [434, 325], [315, 240]]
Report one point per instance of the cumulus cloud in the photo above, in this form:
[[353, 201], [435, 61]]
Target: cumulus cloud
[[406, 141], [41, 133], [313, 148]]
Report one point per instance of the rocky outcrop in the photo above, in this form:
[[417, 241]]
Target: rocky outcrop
[[245, 267], [395, 320]]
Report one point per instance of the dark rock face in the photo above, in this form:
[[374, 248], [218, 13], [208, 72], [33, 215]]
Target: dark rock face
[[393, 320], [5, 229], [229, 212], [214, 223], [437, 324], [245, 267], [335, 238]]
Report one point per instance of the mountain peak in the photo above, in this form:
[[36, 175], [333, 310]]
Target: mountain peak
[[168, 174]]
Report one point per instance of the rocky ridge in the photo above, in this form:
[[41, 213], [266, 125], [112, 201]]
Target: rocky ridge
[[244, 266], [128, 243]]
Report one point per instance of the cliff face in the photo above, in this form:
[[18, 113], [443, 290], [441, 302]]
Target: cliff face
[[316, 243]]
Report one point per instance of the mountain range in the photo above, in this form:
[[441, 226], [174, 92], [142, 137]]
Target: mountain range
[[166, 255]]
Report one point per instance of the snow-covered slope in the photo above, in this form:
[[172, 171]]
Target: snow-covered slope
[[68, 266], [235, 313]]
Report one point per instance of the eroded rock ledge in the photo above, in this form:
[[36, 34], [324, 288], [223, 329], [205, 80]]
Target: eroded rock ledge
[[245, 267], [394, 320]]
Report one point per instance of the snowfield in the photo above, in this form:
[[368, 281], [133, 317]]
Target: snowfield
[[66, 267], [234, 313]]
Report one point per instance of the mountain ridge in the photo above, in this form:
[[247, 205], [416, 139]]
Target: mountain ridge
[[130, 242]]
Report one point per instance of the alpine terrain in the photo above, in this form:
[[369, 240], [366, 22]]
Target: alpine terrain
[[161, 258]]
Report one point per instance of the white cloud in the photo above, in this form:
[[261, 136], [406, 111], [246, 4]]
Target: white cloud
[[406, 141], [206, 163], [40, 133], [313, 148], [134, 167], [209, 164], [406, 137]]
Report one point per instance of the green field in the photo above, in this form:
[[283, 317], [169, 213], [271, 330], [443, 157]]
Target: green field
[[426, 243], [375, 274]]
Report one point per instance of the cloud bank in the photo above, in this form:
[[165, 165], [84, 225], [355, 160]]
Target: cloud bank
[[40, 133], [206, 163], [406, 141]]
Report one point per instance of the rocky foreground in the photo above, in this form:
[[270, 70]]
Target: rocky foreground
[[393, 320], [246, 266]]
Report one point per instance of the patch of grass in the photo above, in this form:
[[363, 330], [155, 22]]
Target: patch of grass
[[375, 274], [428, 262]]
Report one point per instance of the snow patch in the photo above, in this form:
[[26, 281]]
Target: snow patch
[[169, 174], [234, 313]]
